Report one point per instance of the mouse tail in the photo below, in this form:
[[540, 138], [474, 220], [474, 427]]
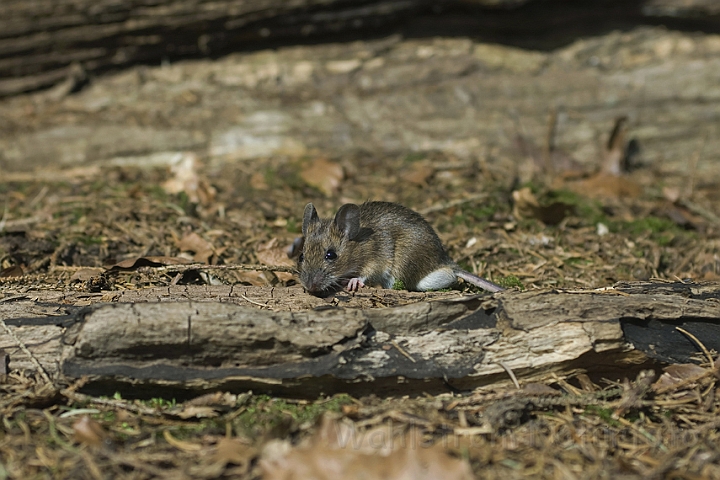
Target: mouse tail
[[479, 281]]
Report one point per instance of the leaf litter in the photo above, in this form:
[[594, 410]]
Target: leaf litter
[[111, 229]]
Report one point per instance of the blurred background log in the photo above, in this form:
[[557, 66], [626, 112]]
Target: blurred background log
[[46, 42]]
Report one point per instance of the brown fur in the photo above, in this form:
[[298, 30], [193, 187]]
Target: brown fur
[[392, 242]]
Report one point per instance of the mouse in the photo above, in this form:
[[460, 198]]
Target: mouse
[[375, 244]]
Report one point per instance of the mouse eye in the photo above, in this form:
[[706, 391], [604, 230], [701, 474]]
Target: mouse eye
[[330, 255], [301, 258]]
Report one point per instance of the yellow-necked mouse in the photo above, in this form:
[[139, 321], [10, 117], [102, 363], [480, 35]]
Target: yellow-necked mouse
[[376, 243]]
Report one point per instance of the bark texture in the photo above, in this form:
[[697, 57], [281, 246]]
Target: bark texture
[[192, 342]]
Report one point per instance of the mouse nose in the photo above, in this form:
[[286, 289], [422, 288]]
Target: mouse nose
[[315, 285]]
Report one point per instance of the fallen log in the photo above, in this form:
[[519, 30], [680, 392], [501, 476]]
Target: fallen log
[[46, 42], [187, 340]]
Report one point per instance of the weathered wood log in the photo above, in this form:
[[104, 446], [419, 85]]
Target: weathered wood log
[[43, 42], [194, 345]]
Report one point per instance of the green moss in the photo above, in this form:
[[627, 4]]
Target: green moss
[[88, 240], [661, 230], [265, 413], [588, 210], [577, 261], [398, 285], [293, 226], [605, 413], [511, 281], [414, 157], [286, 176]]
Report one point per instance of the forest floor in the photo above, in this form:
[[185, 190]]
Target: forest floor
[[525, 218], [63, 234]]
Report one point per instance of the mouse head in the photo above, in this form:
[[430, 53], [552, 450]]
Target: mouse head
[[327, 261]]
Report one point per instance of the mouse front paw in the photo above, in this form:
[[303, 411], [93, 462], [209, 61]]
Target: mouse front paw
[[355, 284]]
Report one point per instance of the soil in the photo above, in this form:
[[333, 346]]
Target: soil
[[510, 154]]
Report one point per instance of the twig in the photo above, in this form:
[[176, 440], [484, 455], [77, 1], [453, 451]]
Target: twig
[[703, 212], [509, 371], [700, 344], [403, 352], [245, 267], [253, 301]]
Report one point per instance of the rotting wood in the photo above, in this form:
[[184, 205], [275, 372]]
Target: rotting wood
[[192, 342]]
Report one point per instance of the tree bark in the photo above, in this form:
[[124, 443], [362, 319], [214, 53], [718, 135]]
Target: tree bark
[[200, 339]]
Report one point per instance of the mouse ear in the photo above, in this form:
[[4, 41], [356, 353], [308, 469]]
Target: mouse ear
[[347, 220], [294, 250], [310, 216]]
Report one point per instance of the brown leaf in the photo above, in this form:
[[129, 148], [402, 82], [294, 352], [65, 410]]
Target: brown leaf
[[237, 451], [525, 203], [273, 254], [225, 399], [539, 389], [186, 179], [86, 274], [202, 249], [88, 432], [149, 261], [340, 451], [678, 375], [205, 406], [258, 181], [252, 277], [603, 185], [12, 271], [181, 444], [671, 194], [197, 411], [324, 175], [418, 173], [681, 216]]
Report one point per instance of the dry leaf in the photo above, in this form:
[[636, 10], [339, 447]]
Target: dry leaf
[[205, 406], [525, 203], [675, 376], [186, 179], [418, 173], [225, 399], [202, 249], [603, 185], [681, 216], [324, 175], [539, 389], [86, 274], [13, 271], [273, 254], [339, 451], [237, 451], [89, 432], [258, 181], [671, 194], [197, 411], [149, 261], [181, 444]]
